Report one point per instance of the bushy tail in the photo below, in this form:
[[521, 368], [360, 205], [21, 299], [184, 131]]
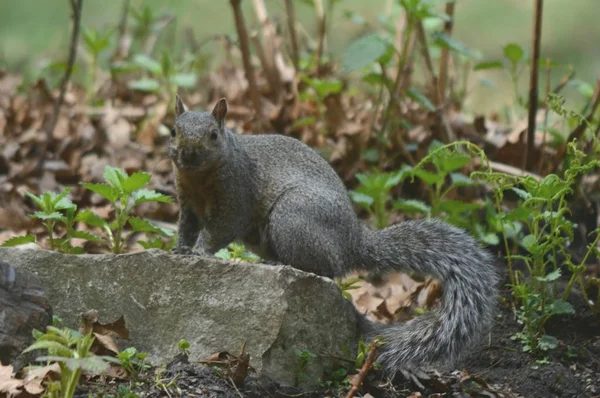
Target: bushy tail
[[469, 283]]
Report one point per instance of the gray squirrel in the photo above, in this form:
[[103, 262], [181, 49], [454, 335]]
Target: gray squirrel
[[287, 204]]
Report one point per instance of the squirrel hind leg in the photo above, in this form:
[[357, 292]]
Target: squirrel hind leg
[[304, 233]]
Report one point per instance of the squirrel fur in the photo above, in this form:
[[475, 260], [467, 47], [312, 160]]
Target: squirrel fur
[[287, 204]]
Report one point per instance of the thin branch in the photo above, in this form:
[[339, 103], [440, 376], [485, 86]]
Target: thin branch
[[76, 8], [291, 19], [358, 380], [443, 129], [123, 41], [321, 33], [533, 85], [445, 55], [270, 48], [245, 48]]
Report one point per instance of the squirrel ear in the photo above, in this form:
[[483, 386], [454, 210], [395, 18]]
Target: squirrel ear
[[220, 110], [179, 106]]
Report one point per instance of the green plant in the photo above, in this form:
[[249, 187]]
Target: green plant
[[305, 358], [133, 361], [56, 210], [373, 193], [71, 350], [125, 192], [165, 75], [348, 284], [184, 346], [95, 43], [237, 251], [544, 211], [443, 178]]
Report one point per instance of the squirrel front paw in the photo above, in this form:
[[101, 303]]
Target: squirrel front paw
[[186, 250]]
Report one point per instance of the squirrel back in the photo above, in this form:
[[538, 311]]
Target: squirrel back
[[287, 204]]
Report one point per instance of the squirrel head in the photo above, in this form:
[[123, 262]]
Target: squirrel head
[[198, 139]]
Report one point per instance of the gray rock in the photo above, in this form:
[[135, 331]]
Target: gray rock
[[23, 307], [215, 305]]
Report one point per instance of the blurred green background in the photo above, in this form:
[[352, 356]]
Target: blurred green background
[[34, 30]]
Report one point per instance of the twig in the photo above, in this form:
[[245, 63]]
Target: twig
[[291, 19], [245, 48], [76, 8], [443, 129], [563, 82], [123, 41], [321, 33], [270, 49], [445, 55], [357, 382], [533, 85]]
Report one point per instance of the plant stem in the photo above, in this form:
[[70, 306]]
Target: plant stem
[[245, 48], [76, 8], [291, 19], [533, 86], [73, 382], [445, 56]]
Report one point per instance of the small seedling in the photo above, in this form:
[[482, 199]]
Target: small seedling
[[236, 251], [71, 350], [184, 346]]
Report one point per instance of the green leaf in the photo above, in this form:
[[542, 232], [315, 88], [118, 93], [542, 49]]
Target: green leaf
[[489, 238], [361, 199], [305, 121], [461, 180], [420, 98], [323, 87], [530, 243], [184, 79], [489, 65], [115, 176], [19, 240], [91, 218], [453, 206], [518, 214], [514, 53], [37, 200], [86, 235], [146, 195], [48, 216], [452, 161], [522, 193], [551, 277], [146, 85], [560, 307], [147, 63], [547, 342], [363, 52], [137, 180], [141, 225], [429, 177], [412, 206], [441, 39], [60, 349], [223, 254], [104, 190]]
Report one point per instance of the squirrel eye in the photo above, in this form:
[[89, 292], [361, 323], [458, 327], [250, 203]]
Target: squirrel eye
[[173, 132], [214, 134]]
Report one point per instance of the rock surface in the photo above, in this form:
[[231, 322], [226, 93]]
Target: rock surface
[[215, 305], [23, 307]]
